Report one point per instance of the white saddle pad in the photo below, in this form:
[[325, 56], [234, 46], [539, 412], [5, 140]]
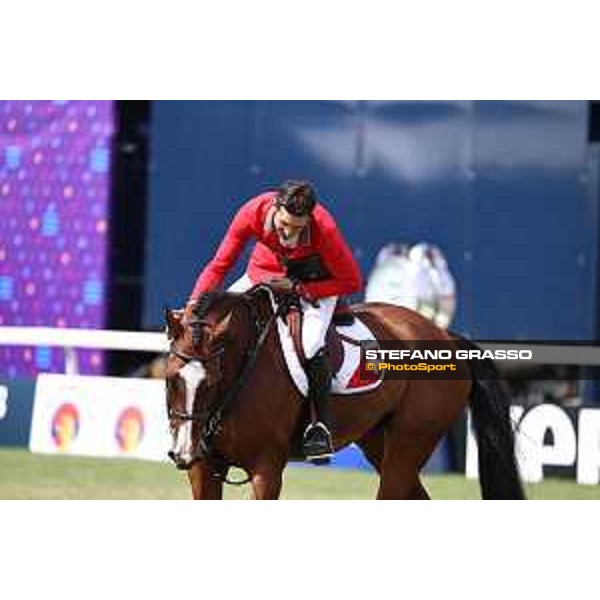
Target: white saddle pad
[[347, 380]]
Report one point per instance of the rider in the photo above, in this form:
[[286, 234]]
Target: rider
[[299, 246]]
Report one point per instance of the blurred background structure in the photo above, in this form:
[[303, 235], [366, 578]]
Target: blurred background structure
[[109, 209], [55, 181]]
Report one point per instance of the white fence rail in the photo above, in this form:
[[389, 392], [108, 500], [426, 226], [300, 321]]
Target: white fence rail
[[97, 339], [102, 339], [92, 339]]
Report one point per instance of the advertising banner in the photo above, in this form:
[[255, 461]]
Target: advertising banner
[[551, 441], [100, 416]]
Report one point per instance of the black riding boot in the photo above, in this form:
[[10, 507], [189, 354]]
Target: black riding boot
[[317, 443]]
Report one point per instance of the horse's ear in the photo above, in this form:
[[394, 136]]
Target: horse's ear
[[173, 322], [221, 327]]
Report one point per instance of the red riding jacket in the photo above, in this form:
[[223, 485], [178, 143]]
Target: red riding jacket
[[320, 237]]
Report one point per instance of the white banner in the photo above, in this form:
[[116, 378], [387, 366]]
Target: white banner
[[100, 416], [550, 436]]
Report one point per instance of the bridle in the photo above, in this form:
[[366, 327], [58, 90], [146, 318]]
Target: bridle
[[186, 359], [212, 416]]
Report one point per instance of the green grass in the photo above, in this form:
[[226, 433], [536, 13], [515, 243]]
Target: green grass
[[29, 476]]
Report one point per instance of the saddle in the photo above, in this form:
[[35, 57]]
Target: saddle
[[342, 346], [334, 349]]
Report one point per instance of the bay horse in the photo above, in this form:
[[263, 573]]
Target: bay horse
[[231, 402]]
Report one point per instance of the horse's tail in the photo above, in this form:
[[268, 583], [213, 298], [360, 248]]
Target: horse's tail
[[490, 411]]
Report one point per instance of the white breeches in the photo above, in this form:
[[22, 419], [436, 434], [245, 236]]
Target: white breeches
[[243, 284], [315, 320]]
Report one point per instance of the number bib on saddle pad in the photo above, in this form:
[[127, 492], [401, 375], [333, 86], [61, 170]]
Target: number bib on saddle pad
[[346, 379]]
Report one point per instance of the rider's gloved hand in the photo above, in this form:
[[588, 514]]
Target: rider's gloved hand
[[286, 295]]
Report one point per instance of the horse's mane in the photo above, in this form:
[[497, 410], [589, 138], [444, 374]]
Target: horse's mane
[[207, 301]]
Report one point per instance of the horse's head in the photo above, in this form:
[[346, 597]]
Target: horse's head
[[194, 372]]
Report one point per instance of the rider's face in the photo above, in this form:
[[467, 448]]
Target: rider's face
[[288, 227]]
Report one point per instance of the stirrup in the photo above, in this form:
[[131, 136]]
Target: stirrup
[[317, 425], [318, 450]]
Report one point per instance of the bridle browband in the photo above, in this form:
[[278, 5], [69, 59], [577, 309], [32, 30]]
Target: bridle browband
[[212, 417]]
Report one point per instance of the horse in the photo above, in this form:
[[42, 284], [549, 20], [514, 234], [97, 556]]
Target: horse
[[231, 402]]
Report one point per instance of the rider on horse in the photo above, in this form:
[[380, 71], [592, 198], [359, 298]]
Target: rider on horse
[[298, 248]]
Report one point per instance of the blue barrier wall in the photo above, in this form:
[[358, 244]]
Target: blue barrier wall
[[501, 187], [16, 408]]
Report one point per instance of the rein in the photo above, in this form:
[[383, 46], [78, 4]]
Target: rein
[[214, 416]]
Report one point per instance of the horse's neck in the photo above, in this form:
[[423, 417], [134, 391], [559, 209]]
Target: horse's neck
[[261, 307]]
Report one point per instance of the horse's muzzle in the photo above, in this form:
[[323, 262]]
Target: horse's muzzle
[[181, 463]]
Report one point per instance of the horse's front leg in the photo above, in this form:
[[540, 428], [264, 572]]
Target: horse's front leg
[[266, 480], [205, 486]]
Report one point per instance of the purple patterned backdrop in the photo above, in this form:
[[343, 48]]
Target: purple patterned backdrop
[[54, 206]]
